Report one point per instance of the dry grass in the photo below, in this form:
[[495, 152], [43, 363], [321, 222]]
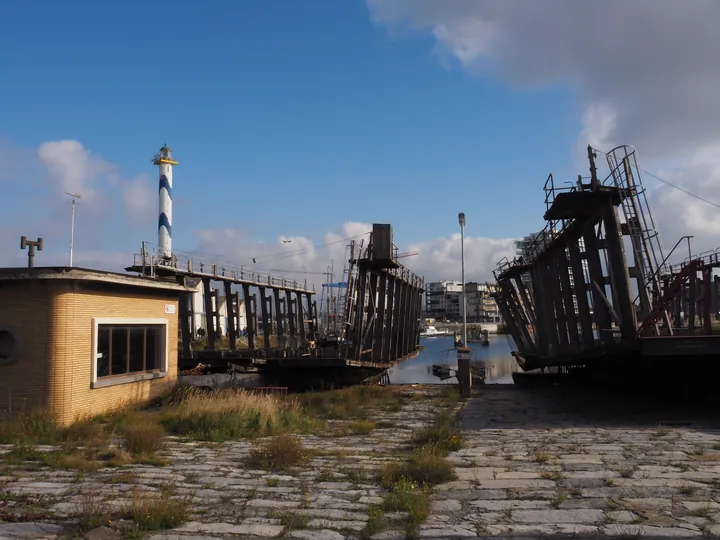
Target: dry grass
[[33, 427], [232, 414], [353, 402], [143, 438], [426, 467], [362, 427], [441, 434], [278, 454], [92, 512], [158, 511]]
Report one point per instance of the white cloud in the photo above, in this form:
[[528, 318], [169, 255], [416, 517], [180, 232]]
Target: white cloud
[[301, 258], [76, 170], [139, 196], [70, 166], [645, 73]]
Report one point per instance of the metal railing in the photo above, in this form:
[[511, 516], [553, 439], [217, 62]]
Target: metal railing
[[203, 266]]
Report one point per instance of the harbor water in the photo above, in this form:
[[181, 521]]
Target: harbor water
[[496, 358]]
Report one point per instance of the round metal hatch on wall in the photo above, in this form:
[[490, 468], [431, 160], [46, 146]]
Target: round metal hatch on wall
[[9, 345]]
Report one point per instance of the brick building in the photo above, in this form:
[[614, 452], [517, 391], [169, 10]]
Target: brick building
[[79, 342]]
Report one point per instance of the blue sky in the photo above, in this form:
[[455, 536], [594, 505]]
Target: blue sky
[[287, 117]]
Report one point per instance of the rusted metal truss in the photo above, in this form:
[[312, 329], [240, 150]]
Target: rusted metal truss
[[595, 279]]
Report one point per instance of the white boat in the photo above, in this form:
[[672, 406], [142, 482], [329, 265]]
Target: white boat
[[431, 331]]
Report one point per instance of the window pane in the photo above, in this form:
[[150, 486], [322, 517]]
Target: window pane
[[119, 351], [137, 349], [152, 347], [103, 348]]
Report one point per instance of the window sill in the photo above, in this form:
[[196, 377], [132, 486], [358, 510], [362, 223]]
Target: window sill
[[126, 379]]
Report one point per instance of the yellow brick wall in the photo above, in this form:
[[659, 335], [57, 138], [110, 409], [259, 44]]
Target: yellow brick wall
[[71, 395], [55, 324], [25, 384]]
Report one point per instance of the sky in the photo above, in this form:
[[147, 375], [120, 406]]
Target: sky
[[299, 124]]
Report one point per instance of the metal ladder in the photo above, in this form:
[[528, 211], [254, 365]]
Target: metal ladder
[[673, 289]]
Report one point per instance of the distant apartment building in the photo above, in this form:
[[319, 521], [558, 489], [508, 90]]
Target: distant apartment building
[[481, 307], [443, 301]]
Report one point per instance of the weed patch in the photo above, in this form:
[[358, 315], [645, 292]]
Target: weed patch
[[442, 434], [143, 437], [353, 402], [362, 427], [278, 454], [154, 512], [426, 467], [232, 414]]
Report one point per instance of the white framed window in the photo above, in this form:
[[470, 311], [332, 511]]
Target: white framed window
[[127, 350]]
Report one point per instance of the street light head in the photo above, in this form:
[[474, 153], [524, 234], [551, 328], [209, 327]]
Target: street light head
[[73, 195], [461, 219]]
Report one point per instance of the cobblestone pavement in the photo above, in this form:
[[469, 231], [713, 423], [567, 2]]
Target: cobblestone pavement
[[535, 463], [327, 499], [578, 462]]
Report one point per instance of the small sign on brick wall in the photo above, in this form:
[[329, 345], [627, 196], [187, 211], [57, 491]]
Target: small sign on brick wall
[[169, 308]]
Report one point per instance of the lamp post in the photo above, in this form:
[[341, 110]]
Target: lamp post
[[74, 196], [463, 353], [461, 219]]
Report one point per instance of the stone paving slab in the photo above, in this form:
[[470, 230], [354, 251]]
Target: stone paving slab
[[558, 462]]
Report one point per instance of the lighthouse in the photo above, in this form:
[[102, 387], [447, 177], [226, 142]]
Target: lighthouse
[[165, 162]]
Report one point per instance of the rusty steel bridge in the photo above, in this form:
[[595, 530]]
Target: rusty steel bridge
[[379, 326]]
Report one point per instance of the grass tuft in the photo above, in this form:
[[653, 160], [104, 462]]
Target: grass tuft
[[352, 402], [362, 427], [426, 467], [232, 414], [441, 434], [143, 438], [279, 453], [158, 511]]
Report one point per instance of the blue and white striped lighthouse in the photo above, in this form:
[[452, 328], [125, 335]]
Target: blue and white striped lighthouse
[[164, 160]]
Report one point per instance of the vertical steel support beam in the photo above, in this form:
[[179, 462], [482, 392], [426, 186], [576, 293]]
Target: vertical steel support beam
[[389, 319], [209, 314], [619, 275], [300, 312], [421, 286], [264, 318], [360, 310], [556, 294], [412, 302], [312, 309], [279, 319], [707, 308], [185, 325], [513, 306], [291, 318], [542, 332], [216, 313], [403, 315], [372, 314], [548, 300], [601, 314], [232, 331], [527, 307], [692, 302], [249, 326], [380, 317], [561, 264], [397, 310], [580, 291], [416, 320], [677, 305], [236, 297]]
